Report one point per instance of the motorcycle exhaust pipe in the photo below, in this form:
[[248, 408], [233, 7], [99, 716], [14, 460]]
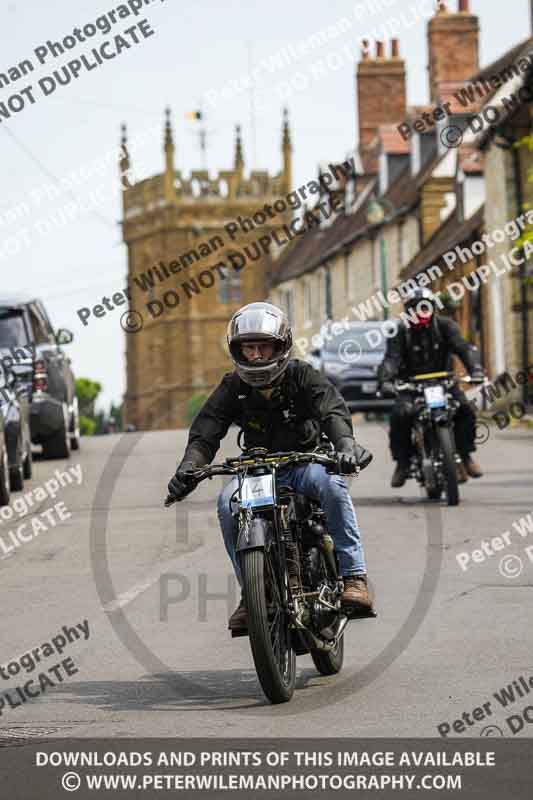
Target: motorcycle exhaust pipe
[[314, 643]]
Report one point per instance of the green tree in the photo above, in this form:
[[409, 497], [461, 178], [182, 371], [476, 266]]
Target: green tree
[[87, 391]]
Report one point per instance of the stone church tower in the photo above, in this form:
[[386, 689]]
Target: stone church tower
[[184, 282]]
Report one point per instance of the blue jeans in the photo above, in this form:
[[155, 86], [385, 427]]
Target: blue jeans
[[332, 493]]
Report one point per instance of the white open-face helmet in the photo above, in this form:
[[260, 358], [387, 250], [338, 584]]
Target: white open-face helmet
[[260, 322]]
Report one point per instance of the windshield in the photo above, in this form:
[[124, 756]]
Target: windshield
[[370, 340], [12, 331]]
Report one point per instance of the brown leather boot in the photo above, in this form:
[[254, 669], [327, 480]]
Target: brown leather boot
[[473, 468], [355, 593], [239, 618], [462, 474]]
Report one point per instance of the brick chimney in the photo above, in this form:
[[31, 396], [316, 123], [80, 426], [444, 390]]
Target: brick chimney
[[381, 95], [453, 44]]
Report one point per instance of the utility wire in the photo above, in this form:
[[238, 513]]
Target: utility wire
[[51, 175]]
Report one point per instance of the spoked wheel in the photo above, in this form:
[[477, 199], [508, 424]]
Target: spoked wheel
[[431, 480], [448, 466], [329, 663], [268, 627]]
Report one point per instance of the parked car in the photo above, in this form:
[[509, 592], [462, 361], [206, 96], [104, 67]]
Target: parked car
[[15, 438], [54, 415], [350, 360]]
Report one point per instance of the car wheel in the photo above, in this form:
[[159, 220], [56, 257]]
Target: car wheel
[[58, 446], [16, 478], [75, 434], [28, 464], [5, 489]]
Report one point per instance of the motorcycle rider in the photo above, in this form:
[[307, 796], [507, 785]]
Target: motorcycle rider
[[427, 344], [281, 404]]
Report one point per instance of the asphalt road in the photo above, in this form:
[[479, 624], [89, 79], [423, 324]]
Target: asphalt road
[[158, 660]]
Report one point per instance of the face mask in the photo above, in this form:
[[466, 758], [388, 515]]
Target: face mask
[[422, 322]]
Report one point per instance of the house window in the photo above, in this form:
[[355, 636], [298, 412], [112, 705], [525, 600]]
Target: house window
[[319, 293], [287, 304], [402, 246], [229, 287], [375, 262], [348, 277], [329, 297], [308, 303]]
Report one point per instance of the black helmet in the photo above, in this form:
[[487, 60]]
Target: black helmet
[[419, 295], [260, 322], [420, 304]]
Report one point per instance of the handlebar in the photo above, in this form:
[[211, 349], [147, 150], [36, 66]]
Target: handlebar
[[232, 466], [417, 381]]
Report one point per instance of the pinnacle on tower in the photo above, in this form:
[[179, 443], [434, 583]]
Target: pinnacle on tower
[[168, 129], [124, 159], [286, 149], [169, 158], [239, 159], [286, 141]]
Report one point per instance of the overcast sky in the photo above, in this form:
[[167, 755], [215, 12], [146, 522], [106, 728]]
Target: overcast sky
[[199, 49]]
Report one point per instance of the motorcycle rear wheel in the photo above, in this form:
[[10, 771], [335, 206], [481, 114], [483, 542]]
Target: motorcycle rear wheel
[[270, 640], [448, 465]]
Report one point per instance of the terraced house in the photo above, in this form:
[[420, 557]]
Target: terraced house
[[432, 184]]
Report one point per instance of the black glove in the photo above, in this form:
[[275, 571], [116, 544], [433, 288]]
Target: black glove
[[183, 482], [478, 374], [351, 456], [387, 389]]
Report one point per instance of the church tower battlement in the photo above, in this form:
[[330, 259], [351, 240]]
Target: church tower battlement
[[180, 352]]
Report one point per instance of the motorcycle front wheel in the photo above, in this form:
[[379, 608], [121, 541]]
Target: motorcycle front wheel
[[268, 626], [448, 466]]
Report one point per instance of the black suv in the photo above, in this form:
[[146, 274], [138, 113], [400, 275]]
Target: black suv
[[350, 360], [54, 416]]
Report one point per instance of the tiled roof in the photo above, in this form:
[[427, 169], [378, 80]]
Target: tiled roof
[[451, 233], [318, 245], [508, 58]]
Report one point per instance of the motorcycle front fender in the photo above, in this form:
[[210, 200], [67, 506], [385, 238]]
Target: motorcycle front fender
[[259, 534]]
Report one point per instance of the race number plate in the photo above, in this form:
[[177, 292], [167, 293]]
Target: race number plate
[[435, 396], [257, 490], [369, 387]]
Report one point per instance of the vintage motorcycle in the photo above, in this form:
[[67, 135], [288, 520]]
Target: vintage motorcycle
[[434, 461], [292, 586]]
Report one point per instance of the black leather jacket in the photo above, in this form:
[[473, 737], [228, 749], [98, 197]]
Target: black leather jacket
[[431, 349], [301, 407]]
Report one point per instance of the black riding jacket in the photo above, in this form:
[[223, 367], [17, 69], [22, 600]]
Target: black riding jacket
[[411, 352], [303, 405]]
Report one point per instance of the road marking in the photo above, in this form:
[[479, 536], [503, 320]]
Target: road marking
[[189, 559], [129, 596]]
